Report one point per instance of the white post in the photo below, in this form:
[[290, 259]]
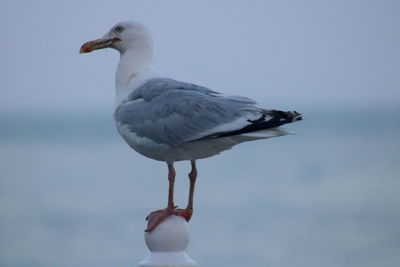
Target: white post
[[167, 244]]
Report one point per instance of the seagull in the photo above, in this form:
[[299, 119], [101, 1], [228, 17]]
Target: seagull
[[169, 120]]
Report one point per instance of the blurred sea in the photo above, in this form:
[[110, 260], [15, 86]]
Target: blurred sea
[[72, 193]]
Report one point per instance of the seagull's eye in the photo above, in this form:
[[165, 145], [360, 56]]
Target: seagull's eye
[[119, 29]]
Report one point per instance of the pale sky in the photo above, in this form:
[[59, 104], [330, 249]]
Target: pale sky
[[284, 54]]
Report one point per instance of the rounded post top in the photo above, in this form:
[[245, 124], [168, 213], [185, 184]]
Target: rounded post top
[[171, 235], [167, 243]]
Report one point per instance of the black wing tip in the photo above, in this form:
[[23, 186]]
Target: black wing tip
[[297, 116], [268, 119], [285, 116]]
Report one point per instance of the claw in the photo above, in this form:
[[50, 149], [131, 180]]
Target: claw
[[185, 213], [158, 216]]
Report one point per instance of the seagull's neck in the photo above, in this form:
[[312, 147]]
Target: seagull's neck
[[134, 69]]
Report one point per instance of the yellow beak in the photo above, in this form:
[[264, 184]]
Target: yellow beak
[[98, 44]]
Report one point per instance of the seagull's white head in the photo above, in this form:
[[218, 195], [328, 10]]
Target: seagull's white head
[[124, 36]]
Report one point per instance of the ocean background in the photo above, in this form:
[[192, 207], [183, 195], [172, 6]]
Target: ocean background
[[72, 193]]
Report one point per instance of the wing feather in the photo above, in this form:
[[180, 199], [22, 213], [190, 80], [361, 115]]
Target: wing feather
[[171, 112]]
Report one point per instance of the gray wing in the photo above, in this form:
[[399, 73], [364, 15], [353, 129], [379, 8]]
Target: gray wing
[[171, 112]]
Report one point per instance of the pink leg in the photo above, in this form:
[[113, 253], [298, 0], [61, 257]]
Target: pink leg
[[156, 217], [188, 212], [192, 178], [171, 180]]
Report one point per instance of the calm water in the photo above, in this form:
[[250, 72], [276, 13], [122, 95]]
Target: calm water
[[72, 193]]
